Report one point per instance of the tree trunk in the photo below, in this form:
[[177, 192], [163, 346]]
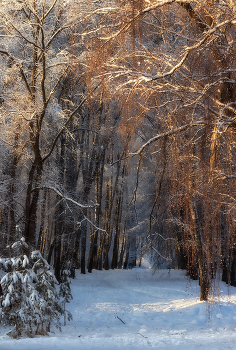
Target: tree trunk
[[93, 253], [122, 253], [32, 205], [12, 225], [43, 212], [202, 265], [114, 261]]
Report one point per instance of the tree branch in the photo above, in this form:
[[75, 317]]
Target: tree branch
[[56, 85], [21, 35], [20, 69], [187, 50], [165, 134], [50, 10], [81, 206], [68, 121]]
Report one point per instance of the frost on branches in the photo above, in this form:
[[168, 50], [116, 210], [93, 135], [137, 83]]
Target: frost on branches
[[29, 299]]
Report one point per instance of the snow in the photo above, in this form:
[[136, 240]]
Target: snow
[[6, 302], [25, 261], [136, 309]]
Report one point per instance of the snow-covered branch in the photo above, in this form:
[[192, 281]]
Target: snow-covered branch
[[68, 121], [187, 50], [81, 206], [166, 134], [92, 224], [3, 52]]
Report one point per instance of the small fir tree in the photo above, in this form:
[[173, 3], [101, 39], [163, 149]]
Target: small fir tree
[[65, 293], [17, 308], [29, 300], [49, 303]]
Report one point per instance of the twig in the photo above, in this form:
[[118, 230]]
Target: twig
[[119, 319], [141, 335]]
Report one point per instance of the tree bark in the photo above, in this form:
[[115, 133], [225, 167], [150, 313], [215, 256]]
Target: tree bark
[[202, 265], [114, 260], [32, 204]]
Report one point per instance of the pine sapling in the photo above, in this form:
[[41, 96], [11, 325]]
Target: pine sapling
[[16, 299], [49, 303], [65, 293], [29, 300]]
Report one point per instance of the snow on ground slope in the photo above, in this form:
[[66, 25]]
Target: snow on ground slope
[[134, 309]]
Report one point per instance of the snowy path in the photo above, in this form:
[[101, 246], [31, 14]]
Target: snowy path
[[135, 309]]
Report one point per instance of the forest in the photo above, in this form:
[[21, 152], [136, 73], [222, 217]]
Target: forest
[[118, 134]]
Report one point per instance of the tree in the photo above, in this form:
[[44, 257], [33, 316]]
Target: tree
[[96, 88], [29, 299], [38, 69], [65, 293], [15, 299], [175, 63], [48, 303]]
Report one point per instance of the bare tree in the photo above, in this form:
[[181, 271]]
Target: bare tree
[[175, 63]]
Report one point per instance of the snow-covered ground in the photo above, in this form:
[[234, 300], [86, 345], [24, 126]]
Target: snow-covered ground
[[136, 309]]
